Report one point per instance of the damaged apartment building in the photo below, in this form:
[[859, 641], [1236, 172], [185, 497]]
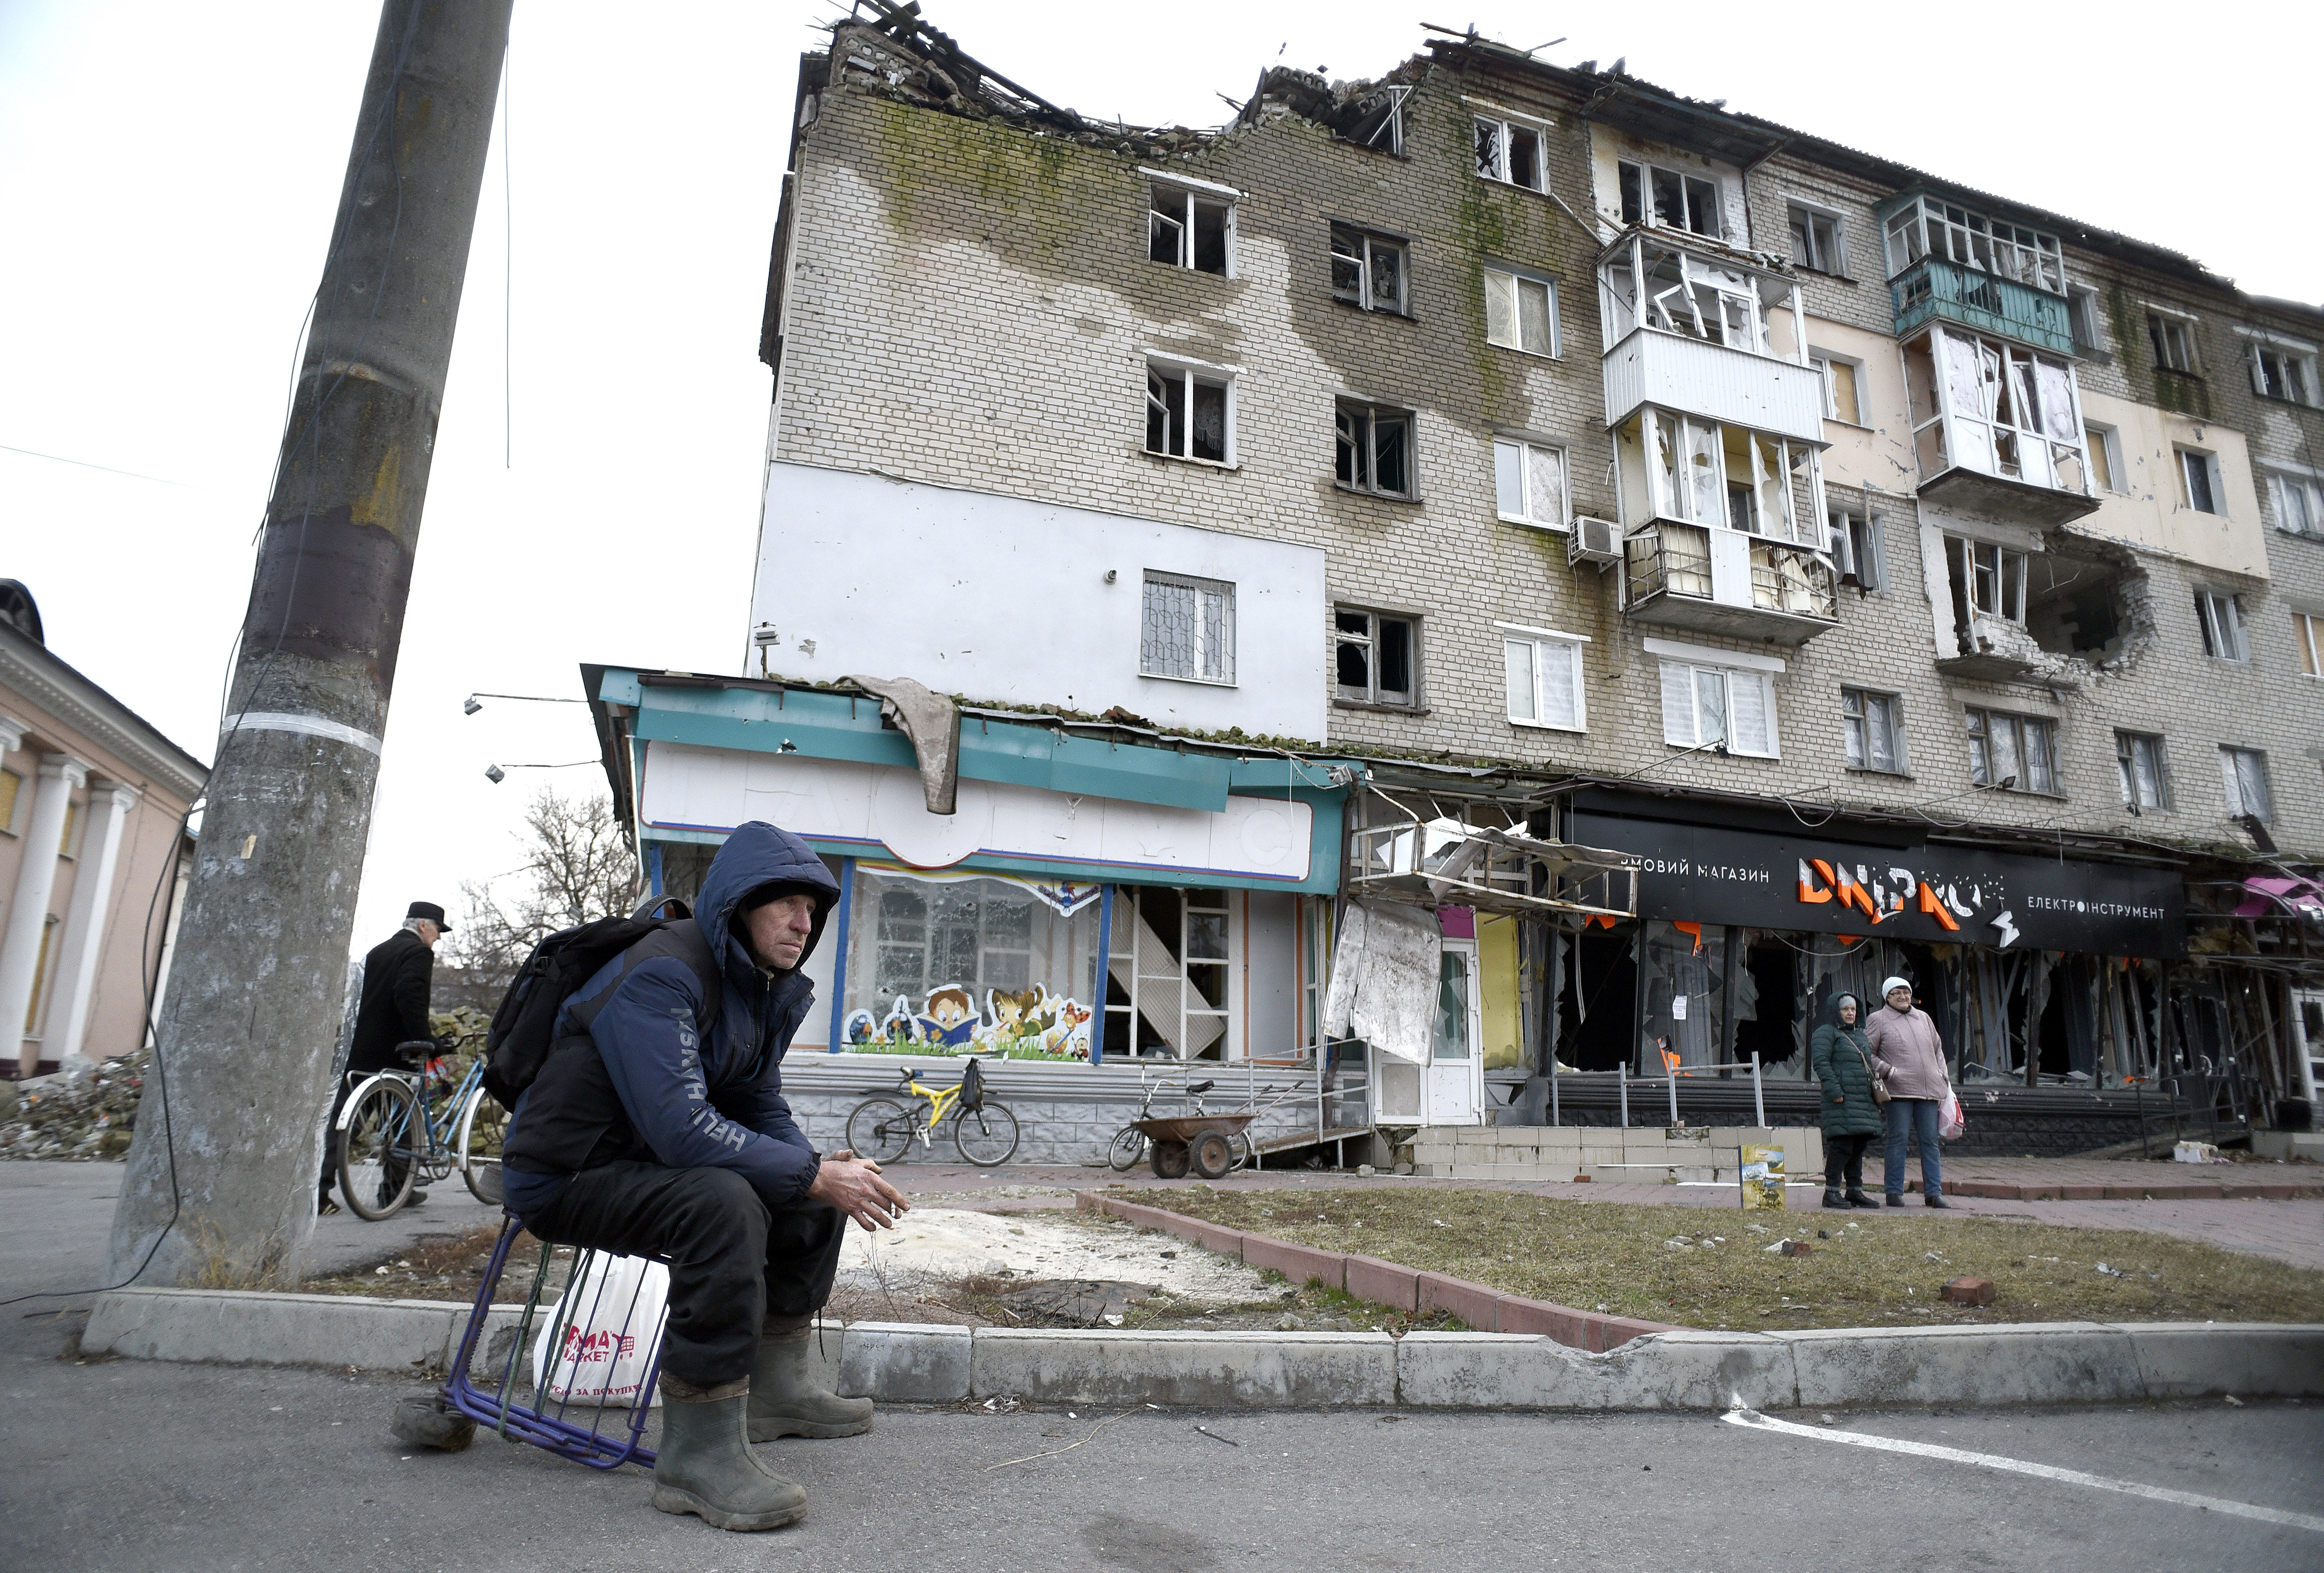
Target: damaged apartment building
[[1655, 567]]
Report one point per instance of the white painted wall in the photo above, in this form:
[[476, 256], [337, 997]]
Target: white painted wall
[[1000, 600]]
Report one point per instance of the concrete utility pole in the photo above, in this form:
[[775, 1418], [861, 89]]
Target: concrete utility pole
[[228, 1132]]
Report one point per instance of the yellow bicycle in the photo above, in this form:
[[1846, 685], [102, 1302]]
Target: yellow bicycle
[[883, 1130]]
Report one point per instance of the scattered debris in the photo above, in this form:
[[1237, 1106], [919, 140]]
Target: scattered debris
[[2111, 1272], [1967, 1291], [1796, 1248], [1074, 1302], [1829, 1419], [76, 1118], [2233, 1400], [1230, 1441]]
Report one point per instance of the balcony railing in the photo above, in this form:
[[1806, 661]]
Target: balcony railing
[[1723, 581], [1933, 288]]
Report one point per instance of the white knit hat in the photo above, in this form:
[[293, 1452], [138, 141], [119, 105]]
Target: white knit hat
[[1893, 984]]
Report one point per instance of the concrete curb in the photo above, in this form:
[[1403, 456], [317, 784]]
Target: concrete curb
[[2197, 1191], [909, 1363]]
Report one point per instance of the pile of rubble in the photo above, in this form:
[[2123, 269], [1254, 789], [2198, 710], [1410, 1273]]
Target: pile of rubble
[[57, 1116]]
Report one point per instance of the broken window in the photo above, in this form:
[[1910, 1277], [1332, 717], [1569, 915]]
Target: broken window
[[2298, 500], [1189, 414], [1986, 579], [2173, 340], [1368, 270], [2083, 311], [1856, 547], [1543, 673], [2010, 753], [1713, 704], [1929, 227], [1510, 152], [1374, 655], [1816, 241], [1188, 227], [2198, 481], [1187, 629], [1684, 467], [1874, 728], [1983, 404], [1670, 197], [2220, 616], [2308, 638], [1783, 579], [1529, 483], [1374, 449], [2138, 756], [1839, 397], [1520, 312], [2244, 773], [2282, 369], [2105, 457]]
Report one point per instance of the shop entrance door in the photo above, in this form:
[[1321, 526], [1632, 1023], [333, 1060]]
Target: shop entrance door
[[1170, 961], [1456, 1065]]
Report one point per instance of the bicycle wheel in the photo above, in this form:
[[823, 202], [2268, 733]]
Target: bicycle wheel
[[1128, 1147], [483, 1126], [985, 1135], [375, 1149], [1246, 1152], [880, 1129]]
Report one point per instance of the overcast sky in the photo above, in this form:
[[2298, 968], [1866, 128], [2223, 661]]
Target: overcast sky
[[168, 175]]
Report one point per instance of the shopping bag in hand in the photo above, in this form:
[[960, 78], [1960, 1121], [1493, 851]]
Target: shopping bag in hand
[[599, 1353], [1951, 1121]]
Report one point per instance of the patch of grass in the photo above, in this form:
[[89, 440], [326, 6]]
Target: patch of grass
[[1702, 1267]]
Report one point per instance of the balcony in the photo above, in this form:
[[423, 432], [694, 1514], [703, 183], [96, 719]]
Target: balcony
[[1723, 582], [1933, 289], [1731, 386]]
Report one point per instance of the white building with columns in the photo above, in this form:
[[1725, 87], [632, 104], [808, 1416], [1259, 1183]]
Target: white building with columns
[[93, 848]]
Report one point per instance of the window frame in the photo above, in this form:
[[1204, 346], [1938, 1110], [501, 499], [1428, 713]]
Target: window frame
[[1855, 741], [1696, 671], [1505, 123], [2283, 481], [2106, 442], [2225, 637], [1536, 641], [1370, 410], [2127, 746], [1823, 360], [1526, 447], [1848, 554], [1367, 240], [2307, 639], [2189, 461], [1202, 586], [1519, 278], [1374, 699], [2087, 314], [2006, 573], [1192, 191], [2033, 257], [2172, 336], [1648, 206], [1795, 209], [2296, 357], [1191, 375], [1980, 719], [2231, 759]]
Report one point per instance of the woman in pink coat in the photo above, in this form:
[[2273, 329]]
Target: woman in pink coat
[[1912, 1061]]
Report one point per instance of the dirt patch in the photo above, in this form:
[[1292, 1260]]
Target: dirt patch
[[1701, 1268]]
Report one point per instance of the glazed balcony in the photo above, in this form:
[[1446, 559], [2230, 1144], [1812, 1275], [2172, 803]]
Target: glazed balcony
[[1935, 290]]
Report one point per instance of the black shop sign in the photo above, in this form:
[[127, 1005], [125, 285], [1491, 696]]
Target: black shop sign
[[1917, 890]]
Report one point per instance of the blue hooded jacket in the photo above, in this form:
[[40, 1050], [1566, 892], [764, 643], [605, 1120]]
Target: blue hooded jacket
[[684, 1103]]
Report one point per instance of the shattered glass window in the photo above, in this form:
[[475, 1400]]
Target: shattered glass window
[[1373, 449], [1368, 270], [1815, 241], [1187, 629], [1187, 416], [1189, 229], [1374, 657], [2195, 471], [2279, 373], [1510, 153], [2246, 773], [1671, 197], [2173, 340]]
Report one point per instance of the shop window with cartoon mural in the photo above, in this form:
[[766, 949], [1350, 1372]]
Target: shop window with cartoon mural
[[970, 964]]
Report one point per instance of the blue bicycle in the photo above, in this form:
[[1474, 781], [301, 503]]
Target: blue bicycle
[[401, 1127]]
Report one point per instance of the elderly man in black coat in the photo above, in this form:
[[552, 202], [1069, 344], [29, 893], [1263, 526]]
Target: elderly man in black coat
[[395, 1010]]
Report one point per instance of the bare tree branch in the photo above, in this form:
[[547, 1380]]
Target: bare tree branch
[[576, 867]]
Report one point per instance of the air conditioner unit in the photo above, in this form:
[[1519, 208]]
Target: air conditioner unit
[[1598, 541]]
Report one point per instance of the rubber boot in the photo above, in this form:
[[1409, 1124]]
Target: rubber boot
[[1831, 1197], [1857, 1198], [787, 1400], [706, 1466]]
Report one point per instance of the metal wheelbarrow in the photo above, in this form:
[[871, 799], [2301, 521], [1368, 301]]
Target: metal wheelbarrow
[[1209, 1144]]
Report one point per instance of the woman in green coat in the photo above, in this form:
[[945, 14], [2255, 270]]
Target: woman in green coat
[[1842, 1062]]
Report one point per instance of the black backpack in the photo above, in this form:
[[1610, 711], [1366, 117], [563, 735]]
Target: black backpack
[[522, 1034]]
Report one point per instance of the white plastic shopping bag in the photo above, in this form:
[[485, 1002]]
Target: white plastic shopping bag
[[1951, 1121], [598, 1352]]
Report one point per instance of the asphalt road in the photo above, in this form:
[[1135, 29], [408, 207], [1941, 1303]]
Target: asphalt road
[[124, 1465]]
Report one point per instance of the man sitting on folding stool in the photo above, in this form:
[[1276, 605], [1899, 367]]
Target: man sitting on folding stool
[[658, 1128]]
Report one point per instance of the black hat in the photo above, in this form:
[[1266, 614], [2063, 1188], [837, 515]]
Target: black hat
[[428, 912]]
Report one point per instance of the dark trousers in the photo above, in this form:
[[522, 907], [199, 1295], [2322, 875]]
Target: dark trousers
[[734, 1261], [1843, 1161], [353, 1077]]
